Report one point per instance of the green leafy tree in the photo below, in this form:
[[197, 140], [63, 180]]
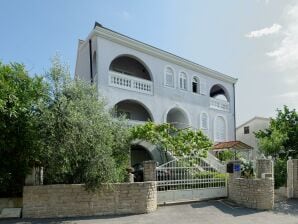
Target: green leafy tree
[[81, 141], [19, 96], [170, 139], [280, 141]]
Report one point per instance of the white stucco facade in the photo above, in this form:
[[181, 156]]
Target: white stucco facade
[[245, 133], [181, 102]]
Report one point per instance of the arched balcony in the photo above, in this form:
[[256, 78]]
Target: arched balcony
[[130, 73], [178, 118], [134, 111], [219, 98]]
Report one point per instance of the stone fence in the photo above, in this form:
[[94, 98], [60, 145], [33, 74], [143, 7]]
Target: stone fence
[[47, 201], [292, 179], [10, 203], [257, 193]]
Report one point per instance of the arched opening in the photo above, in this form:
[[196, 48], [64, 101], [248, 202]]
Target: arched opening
[[178, 118], [183, 81], [195, 85], [204, 121], [169, 77], [130, 65], [219, 92], [220, 129], [139, 154], [133, 110]]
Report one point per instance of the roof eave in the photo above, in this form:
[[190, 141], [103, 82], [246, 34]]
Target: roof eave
[[140, 46]]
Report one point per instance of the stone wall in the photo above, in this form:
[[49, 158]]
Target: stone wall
[[292, 179], [264, 166], [149, 170], [48, 201], [252, 193]]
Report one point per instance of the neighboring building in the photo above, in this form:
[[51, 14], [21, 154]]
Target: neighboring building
[[245, 133], [145, 83]]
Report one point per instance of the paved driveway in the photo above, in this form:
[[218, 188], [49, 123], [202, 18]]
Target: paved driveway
[[215, 212]]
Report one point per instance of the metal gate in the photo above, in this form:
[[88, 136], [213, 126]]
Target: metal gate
[[189, 179]]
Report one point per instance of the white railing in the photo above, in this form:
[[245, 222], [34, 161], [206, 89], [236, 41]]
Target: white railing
[[215, 163], [188, 173], [135, 122], [219, 104], [128, 82]]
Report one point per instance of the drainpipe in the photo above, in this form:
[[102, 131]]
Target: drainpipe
[[90, 58], [234, 111]]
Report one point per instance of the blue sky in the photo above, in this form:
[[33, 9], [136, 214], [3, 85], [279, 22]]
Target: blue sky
[[216, 34]]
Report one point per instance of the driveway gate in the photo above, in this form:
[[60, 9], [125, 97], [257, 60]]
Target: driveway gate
[[189, 179]]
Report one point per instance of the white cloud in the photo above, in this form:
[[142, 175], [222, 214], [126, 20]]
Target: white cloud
[[286, 54], [275, 28]]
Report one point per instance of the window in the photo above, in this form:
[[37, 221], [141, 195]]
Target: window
[[220, 129], [183, 81], [246, 130], [195, 85], [169, 77], [204, 121]]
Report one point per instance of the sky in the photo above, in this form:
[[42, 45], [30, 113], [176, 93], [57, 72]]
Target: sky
[[255, 41]]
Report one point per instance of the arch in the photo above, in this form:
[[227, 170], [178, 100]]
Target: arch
[[220, 129], [195, 84], [219, 92], [131, 65], [169, 76], [133, 110], [139, 154], [183, 80], [178, 118]]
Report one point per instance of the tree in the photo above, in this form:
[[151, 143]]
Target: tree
[[81, 141], [170, 139], [19, 96], [280, 142], [280, 139]]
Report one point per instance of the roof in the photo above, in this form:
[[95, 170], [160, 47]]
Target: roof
[[252, 119], [238, 145], [138, 45]]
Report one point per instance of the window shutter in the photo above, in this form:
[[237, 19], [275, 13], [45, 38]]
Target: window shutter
[[220, 132], [203, 86], [204, 121]]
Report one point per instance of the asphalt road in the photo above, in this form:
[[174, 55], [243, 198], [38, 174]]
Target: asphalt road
[[207, 212]]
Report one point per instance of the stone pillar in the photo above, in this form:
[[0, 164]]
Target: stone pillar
[[292, 178], [149, 170], [290, 181], [264, 166]]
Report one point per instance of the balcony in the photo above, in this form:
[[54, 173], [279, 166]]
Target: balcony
[[219, 104], [123, 81], [135, 122]]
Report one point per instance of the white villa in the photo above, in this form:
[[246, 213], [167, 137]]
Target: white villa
[[246, 133], [146, 83]]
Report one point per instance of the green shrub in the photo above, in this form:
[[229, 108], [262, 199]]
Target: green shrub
[[81, 141], [280, 172], [19, 95]]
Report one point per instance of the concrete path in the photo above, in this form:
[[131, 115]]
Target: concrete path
[[208, 212]]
